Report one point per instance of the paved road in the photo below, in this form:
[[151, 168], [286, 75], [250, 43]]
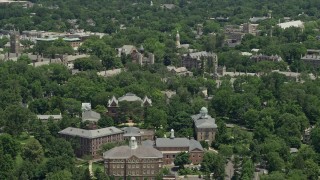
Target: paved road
[[229, 169]]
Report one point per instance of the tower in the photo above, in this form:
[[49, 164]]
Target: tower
[[15, 42], [178, 40], [133, 143], [172, 134]]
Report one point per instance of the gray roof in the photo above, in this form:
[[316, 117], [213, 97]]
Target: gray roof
[[174, 142], [204, 120], [131, 131], [195, 145], [46, 117], [90, 134], [124, 152], [130, 97], [148, 143], [90, 116], [178, 142]]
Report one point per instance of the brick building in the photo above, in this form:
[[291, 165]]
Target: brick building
[[138, 162], [205, 126], [171, 147], [91, 140]]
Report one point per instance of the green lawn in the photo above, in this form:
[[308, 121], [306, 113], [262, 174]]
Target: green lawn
[[97, 165]]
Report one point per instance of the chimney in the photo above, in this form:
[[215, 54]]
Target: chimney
[[172, 134]]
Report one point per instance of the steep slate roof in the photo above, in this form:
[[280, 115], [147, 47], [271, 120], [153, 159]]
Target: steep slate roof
[[148, 100], [195, 145], [90, 134], [114, 99], [131, 131], [124, 152], [90, 116]]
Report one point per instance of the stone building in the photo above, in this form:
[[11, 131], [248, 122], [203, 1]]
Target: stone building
[[15, 46], [138, 162], [171, 147], [90, 141], [205, 126], [312, 58], [262, 57], [138, 56], [197, 59], [113, 103]]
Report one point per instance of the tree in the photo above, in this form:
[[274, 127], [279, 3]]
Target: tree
[[9, 146], [60, 147], [247, 169], [59, 175], [32, 151], [105, 121], [156, 117], [213, 163], [16, 119], [100, 175], [315, 139], [181, 159]]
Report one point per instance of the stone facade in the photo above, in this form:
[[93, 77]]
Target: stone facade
[[197, 59], [205, 126]]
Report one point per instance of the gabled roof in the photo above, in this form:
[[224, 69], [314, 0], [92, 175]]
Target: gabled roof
[[90, 116], [90, 134], [194, 145], [147, 100], [113, 100], [124, 152]]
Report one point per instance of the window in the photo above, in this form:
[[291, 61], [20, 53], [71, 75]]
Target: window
[[144, 166], [152, 171]]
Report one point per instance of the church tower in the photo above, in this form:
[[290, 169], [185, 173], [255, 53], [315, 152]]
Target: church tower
[[178, 40], [15, 42]]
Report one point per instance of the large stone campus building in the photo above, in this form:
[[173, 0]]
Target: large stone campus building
[[205, 126], [90, 141], [138, 162]]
